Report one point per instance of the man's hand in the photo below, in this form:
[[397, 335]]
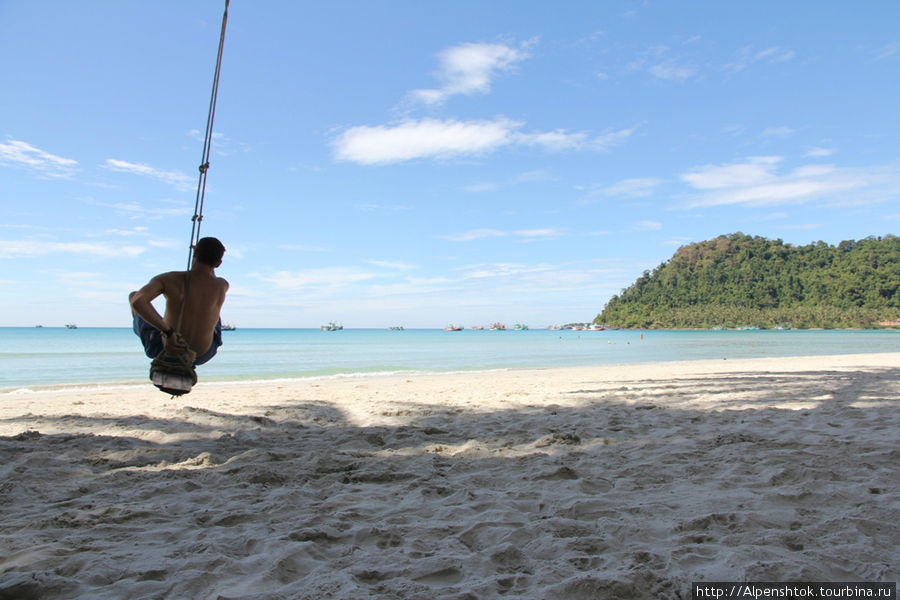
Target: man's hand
[[174, 344]]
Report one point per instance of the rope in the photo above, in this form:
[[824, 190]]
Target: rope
[[204, 167]]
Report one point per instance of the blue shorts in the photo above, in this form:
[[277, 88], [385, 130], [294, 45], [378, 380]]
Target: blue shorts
[[151, 338]]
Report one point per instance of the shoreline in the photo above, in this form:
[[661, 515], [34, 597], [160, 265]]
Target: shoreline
[[256, 380], [573, 482]]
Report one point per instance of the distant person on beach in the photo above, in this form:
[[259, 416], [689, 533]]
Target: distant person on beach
[[201, 325]]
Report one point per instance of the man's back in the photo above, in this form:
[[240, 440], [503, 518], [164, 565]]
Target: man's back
[[205, 297]]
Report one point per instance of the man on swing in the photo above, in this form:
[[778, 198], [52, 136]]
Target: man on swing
[[197, 327]]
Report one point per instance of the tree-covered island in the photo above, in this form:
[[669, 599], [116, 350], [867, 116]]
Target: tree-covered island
[[739, 280]]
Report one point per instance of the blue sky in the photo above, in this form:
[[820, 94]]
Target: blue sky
[[421, 163]]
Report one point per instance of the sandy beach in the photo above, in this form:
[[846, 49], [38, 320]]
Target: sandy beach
[[574, 483]]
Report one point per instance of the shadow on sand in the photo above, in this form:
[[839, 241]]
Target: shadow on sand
[[624, 491]]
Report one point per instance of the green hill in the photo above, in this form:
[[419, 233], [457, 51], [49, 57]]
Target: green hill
[[738, 280]]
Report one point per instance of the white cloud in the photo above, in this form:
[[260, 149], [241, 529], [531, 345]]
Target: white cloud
[[757, 182], [478, 234], [22, 154], [441, 139], [553, 140], [30, 248], [469, 69], [142, 231], [426, 138], [754, 171], [176, 178]]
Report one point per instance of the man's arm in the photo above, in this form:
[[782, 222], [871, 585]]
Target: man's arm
[[141, 303]]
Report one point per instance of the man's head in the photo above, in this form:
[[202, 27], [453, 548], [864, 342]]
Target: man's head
[[209, 251]]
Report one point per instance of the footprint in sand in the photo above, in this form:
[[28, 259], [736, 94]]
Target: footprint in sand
[[449, 576]]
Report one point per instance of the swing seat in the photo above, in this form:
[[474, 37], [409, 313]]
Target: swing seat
[[174, 375], [176, 384]]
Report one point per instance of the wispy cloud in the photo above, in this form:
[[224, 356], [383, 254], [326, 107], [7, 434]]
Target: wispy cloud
[[444, 139], [470, 69], [135, 210], [888, 51], [631, 188], [139, 231], [757, 182], [672, 70], [657, 61], [383, 207], [31, 248], [524, 234], [647, 226], [302, 248], [176, 178], [777, 132], [525, 178], [221, 143], [23, 155], [392, 264], [327, 277], [820, 152], [748, 56], [802, 226]]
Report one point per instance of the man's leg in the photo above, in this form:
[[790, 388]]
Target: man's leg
[[150, 336], [213, 348]]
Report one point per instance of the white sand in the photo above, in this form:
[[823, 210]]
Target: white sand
[[583, 483]]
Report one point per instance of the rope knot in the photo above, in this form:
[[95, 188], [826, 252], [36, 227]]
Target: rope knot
[[204, 167]]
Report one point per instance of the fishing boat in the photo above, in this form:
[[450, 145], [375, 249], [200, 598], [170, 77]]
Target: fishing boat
[[228, 327], [452, 328], [71, 326], [332, 326]]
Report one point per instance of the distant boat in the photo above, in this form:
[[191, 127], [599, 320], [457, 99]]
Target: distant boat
[[520, 327], [71, 326], [332, 326], [38, 326], [396, 328], [228, 327], [476, 328], [452, 328], [498, 327]]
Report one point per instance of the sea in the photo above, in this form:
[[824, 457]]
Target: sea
[[37, 357]]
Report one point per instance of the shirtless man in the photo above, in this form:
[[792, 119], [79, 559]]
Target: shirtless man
[[201, 327]]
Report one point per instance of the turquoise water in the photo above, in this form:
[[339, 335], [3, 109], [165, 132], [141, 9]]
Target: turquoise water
[[32, 357]]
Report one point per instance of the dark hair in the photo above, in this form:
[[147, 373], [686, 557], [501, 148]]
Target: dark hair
[[209, 251]]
